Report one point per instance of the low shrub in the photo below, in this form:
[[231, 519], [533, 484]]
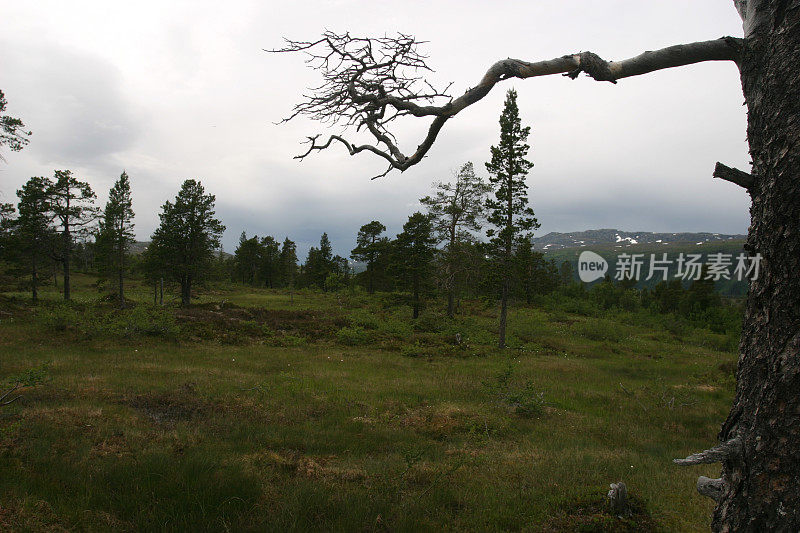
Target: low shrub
[[353, 336]]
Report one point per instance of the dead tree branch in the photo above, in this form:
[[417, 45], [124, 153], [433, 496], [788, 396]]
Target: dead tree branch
[[717, 454], [368, 83], [734, 175]]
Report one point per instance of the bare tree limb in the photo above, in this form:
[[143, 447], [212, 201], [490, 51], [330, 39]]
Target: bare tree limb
[[370, 82], [734, 175], [717, 454]]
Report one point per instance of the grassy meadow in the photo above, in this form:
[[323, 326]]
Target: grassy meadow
[[259, 410]]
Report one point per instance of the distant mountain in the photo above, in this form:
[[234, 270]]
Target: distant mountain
[[618, 238]]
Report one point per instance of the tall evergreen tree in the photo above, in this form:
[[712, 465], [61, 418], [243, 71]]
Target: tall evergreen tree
[[183, 245], [368, 248], [116, 232], [72, 204], [456, 210], [247, 258], [508, 211], [288, 263], [415, 247], [319, 263], [269, 263], [34, 228]]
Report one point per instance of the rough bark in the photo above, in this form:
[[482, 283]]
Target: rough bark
[[761, 486]]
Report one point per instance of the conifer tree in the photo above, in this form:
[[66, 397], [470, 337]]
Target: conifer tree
[[183, 245], [456, 210], [116, 232], [415, 248], [288, 263], [34, 228], [369, 244], [509, 214], [72, 205]]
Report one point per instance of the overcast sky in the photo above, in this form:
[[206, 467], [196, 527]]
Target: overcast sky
[[177, 90]]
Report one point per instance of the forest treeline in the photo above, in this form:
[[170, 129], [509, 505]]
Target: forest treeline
[[472, 238]]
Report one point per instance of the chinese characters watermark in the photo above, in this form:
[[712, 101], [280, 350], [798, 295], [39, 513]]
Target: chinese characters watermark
[[687, 267]]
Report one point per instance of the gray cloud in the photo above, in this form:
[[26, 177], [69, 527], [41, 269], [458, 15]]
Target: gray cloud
[[183, 90], [73, 102]]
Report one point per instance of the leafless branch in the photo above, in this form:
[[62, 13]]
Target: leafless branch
[[716, 454], [734, 175], [368, 83]]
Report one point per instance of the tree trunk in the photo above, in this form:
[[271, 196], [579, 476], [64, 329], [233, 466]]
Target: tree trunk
[[121, 269], [67, 251], [34, 282], [451, 302], [451, 277], [186, 290], [501, 343], [415, 299], [66, 276], [761, 476]]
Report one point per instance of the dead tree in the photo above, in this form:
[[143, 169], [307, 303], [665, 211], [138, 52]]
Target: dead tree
[[369, 83]]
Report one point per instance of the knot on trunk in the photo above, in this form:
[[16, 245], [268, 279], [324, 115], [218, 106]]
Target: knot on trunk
[[712, 488], [593, 65]]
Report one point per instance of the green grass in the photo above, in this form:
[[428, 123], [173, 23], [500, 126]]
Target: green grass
[[418, 427]]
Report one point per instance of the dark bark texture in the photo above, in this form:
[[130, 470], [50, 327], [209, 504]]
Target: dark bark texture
[[761, 480]]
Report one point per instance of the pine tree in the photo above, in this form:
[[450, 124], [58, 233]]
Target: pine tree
[[288, 263], [456, 210], [183, 245], [269, 262], [116, 232], [415, 248], [368, 248], [508, 211], [246, 258], [72, 204], [12, 133], [34, 228]]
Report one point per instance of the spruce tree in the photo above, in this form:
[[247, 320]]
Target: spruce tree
[[288, 263], [116, 232], [509, 213]]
